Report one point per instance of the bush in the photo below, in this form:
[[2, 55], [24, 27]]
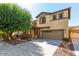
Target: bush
[[3, 35], [66, 39]]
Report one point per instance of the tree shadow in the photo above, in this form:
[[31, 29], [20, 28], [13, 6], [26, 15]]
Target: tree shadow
[[15, 42]]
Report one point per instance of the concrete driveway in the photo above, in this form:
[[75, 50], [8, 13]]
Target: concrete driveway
[[76, 46], [37, 47]]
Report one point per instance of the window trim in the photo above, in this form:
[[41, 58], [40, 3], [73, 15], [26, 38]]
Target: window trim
[[42, 20], [55, 16], [59, 15]]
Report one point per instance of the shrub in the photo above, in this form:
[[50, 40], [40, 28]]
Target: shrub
[[66, 39], [3, 35]]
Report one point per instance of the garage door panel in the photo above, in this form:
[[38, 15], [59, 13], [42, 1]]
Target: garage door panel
[[53, 35], [74, 35]]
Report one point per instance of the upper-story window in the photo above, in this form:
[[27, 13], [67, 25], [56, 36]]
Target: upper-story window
[[42, 20], [55, 17], [60, 16]]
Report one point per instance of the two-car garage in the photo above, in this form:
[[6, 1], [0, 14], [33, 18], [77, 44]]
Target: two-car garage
[[53, 34]]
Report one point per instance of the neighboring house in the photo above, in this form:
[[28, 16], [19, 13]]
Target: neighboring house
[[74, 32], [51, 25]]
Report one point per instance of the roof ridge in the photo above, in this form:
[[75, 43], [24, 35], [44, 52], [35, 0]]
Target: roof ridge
[[53, 12]]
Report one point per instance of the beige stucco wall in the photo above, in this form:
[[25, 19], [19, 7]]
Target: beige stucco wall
[[65, 13], [59, 24]]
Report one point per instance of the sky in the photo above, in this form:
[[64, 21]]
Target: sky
[[36, 8]]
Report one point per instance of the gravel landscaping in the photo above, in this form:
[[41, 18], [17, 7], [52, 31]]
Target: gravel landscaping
[[65, 50]]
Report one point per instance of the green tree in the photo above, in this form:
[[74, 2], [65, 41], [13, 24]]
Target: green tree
[[14, 18]]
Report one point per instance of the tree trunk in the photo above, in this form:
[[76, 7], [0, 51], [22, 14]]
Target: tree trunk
[[9, 36]]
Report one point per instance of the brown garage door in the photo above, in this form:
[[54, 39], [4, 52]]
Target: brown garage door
[[54, 34]]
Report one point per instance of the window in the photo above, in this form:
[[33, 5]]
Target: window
[[60, 15], [42, 20], [55, 17]]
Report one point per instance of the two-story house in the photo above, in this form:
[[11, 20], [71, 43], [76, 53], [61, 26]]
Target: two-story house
[[52, 25]]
